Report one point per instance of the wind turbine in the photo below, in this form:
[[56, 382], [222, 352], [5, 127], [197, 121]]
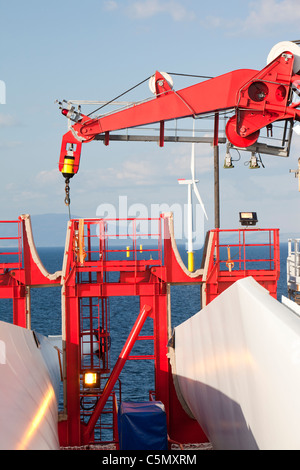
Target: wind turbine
[[192, 183]]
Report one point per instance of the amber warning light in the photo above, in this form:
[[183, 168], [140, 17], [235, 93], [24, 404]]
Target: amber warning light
[[91, 380]]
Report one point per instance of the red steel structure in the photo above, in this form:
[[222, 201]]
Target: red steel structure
[[231, 261], [21, 268], [258, 98], [99, 265], [93, 272]]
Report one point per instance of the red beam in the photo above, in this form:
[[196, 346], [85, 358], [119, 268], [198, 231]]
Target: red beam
[[115, 289]]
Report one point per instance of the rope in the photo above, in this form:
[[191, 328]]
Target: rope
[[189, 75], [69, 211], [143, 81], [119, 96]]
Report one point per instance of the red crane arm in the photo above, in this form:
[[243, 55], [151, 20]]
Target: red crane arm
[[214, 94], [258, 97]]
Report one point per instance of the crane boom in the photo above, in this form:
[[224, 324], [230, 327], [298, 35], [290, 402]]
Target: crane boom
[[259, 98]]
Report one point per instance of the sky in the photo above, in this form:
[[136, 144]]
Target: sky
[[96, 51]]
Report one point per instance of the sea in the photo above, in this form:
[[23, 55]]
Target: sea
[[137, 377]]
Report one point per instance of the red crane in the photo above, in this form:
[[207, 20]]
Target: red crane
[[258, 98]]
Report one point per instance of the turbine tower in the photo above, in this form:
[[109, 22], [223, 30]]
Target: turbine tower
[[192, 183]]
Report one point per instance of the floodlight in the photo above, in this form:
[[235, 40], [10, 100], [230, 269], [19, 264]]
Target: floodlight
[[248, 218]]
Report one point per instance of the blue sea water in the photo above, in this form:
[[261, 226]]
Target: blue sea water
[[137, 376]]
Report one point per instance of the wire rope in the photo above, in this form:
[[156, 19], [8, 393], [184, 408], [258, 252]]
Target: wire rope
[[119, 96], [143, 81]]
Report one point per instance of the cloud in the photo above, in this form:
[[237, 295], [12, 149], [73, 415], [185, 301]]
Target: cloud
[[110, 5], [179, 163], [21, 195], [48, 177], [136, 172], [266, 13], [130, 174], [181, 166], [7, 120], [149, 8], [261, 16], [10, 144]]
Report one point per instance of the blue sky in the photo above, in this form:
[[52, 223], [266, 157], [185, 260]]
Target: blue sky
[[98, 49]]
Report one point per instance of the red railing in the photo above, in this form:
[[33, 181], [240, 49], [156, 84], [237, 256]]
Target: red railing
[[238, 255], [114, 243], [10, 244], [247, 252]]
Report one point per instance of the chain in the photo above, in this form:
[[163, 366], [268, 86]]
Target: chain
[[67, 198]]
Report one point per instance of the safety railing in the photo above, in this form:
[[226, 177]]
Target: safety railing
[[10, 245], [246, 251], [115, 243], [236, 254], [293, 265]]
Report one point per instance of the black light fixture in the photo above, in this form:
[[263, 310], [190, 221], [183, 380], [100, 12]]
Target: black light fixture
[[248, 218]]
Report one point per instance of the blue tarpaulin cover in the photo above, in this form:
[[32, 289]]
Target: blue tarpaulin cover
[[142, 426]]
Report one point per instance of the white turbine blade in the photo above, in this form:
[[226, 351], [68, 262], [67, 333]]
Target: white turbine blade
[[199, 198], [296, 129]]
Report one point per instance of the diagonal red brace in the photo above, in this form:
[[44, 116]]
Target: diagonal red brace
[[136, 329]]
